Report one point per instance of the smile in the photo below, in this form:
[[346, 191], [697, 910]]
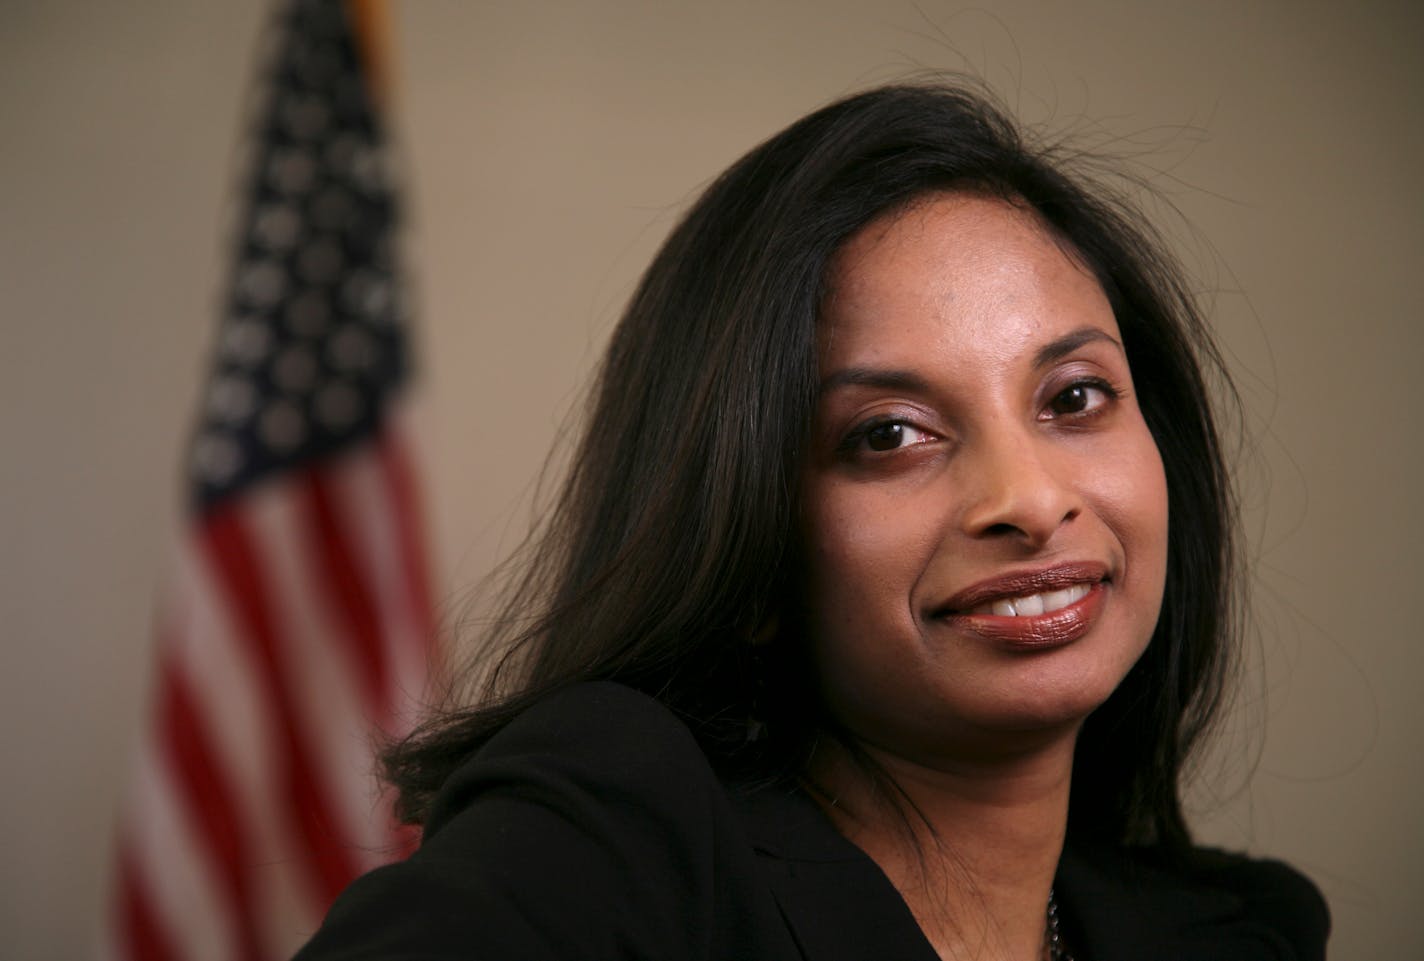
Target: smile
[[1031, 610], [1028, 593], [1029, 605]]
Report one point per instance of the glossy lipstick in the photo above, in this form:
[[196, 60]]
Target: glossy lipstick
[[974, 607]]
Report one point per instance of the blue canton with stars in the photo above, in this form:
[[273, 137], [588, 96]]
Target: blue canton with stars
[[311, 344]]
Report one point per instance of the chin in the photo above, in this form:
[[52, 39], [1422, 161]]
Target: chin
[[1052, 706], [1068, 712], [990, 730]]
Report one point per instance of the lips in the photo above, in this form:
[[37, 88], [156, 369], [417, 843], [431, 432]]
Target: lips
[[1031, 610]]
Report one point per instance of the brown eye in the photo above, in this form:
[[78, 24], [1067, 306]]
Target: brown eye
[[885, 436], [1080, 398], [1074, 400]]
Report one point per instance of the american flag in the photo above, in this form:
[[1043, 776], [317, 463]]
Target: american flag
[[298, 626]]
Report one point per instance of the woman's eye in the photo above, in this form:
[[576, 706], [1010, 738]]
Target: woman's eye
[[1080, 398], [890, 435]]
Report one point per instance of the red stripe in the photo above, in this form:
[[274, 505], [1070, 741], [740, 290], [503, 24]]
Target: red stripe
[[209, 799], [140, 933], [229, 545], [410, 532], [346, 593]]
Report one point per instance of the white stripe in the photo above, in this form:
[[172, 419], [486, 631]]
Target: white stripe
[[171, 864], [368, 507], [421, 652], [210, 652], [226, 679], [330, 710]]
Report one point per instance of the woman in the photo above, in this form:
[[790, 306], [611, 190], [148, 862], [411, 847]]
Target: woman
[[864, 561]]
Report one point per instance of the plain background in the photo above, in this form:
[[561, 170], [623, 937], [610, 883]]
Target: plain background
[[549, 147]]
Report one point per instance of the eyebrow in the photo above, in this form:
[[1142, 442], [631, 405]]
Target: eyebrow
[[875, 377], [911, 382], [1070, 342]]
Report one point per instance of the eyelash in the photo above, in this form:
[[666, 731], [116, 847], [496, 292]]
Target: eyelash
[[854, 442], [1110, 392]]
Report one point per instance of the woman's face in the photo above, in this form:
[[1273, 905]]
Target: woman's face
[[985, 511]]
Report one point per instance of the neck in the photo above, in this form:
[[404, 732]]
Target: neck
[[972, 846]]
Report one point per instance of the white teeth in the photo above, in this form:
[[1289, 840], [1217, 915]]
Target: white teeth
[[1028, 606], [1031, 604]]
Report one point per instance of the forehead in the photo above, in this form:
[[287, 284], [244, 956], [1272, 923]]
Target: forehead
[[956, 270]]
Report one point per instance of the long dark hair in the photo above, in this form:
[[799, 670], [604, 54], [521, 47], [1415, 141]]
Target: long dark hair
[[672, 541]]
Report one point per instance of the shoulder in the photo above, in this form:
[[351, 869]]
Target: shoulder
[[592, 825], [1204, 903], [1272, 893], [601, 740]]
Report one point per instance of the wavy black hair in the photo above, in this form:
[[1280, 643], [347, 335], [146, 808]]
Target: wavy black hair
[[673, 539]]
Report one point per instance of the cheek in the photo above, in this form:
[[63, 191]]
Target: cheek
[[864, 555], [1152, 496], [1133, 498], [863, 558]]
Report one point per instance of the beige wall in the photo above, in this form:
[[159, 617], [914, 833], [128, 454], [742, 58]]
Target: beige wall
[[551, 144]]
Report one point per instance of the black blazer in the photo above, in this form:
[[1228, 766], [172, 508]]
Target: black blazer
[[593, 827]]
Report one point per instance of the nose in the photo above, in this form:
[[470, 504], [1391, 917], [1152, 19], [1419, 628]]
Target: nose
[[1019, 487]]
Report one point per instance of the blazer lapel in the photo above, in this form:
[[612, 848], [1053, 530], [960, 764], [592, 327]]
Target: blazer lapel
[[837, 902]]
